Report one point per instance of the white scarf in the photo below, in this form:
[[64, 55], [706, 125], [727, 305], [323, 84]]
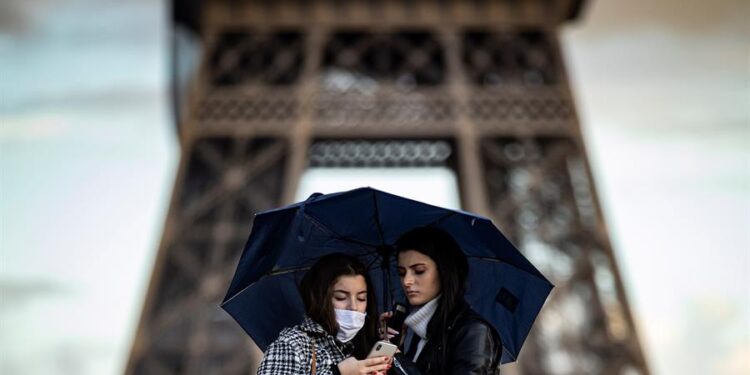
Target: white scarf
[[418, 321]]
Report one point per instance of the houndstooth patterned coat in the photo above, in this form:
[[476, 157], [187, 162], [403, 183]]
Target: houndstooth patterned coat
[[291, 352]]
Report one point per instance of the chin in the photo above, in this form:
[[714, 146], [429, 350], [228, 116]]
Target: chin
[[416, 301]]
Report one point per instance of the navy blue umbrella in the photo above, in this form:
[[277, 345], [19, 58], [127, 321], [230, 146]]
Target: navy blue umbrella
[[503, 286]]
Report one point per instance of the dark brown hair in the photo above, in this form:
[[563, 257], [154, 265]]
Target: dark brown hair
[[316, 289], [452, 267]]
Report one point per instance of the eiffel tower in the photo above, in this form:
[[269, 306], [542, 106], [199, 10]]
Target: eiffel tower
[[264, 90]]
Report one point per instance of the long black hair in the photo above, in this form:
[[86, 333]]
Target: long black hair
[[316, 289], [452, 267]]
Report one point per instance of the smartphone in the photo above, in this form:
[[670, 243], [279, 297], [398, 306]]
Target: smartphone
[[382, 349], [397, 320]]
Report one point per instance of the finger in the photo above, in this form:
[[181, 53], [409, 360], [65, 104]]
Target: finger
[[382, 333], [375, 361], [392, 331], [380, 367]]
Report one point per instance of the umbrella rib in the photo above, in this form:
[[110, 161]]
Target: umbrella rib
[[333, 234], [369, 265], [272, 273], [386, 279], [496, 260], [377, 219], [441, 218], [285, 271], [324, 228], [342, 238]]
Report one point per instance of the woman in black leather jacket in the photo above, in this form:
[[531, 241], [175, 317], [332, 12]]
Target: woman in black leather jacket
[[442, 334]]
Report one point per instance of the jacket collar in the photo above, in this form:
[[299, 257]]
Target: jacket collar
[[431, 346], [459, 312], [310, 326]]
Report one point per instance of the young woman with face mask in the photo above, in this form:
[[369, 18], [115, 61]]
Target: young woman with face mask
[[339, 328], [443, 335]]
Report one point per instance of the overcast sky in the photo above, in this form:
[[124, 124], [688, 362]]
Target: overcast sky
[[88, 156]]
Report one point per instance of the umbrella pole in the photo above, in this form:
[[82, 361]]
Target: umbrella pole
[[385, 262]]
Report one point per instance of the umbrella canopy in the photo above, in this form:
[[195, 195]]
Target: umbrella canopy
[[503, 286]]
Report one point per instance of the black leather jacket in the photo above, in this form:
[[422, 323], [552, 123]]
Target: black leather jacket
[[470, 346]]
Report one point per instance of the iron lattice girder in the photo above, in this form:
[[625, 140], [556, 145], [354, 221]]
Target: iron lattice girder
[[541, 196], [512, 92], [381, 13], [479, 87]]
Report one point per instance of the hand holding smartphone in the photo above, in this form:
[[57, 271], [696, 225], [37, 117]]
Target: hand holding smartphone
[[382, 349], [399, 315], [392, 322]]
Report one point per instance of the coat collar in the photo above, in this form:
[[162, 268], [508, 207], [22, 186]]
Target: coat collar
[[313, 329], [458, 313], [310, 326], [431, 346]]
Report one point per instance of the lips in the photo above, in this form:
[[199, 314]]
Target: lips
[[412, 293]]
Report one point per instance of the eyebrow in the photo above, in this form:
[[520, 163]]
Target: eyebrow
[[347, 292], [413, 265]]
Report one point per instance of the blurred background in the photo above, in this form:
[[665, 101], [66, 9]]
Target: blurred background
[[89, 155]]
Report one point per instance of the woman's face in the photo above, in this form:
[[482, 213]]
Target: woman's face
[[419, 277], [350, 293]]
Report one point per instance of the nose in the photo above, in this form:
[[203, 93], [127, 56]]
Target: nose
[[408, 280], [355, 305]]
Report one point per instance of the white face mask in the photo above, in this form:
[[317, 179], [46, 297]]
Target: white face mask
[[350, 322]]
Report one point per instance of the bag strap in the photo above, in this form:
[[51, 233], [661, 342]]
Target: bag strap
[[313, 365]]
